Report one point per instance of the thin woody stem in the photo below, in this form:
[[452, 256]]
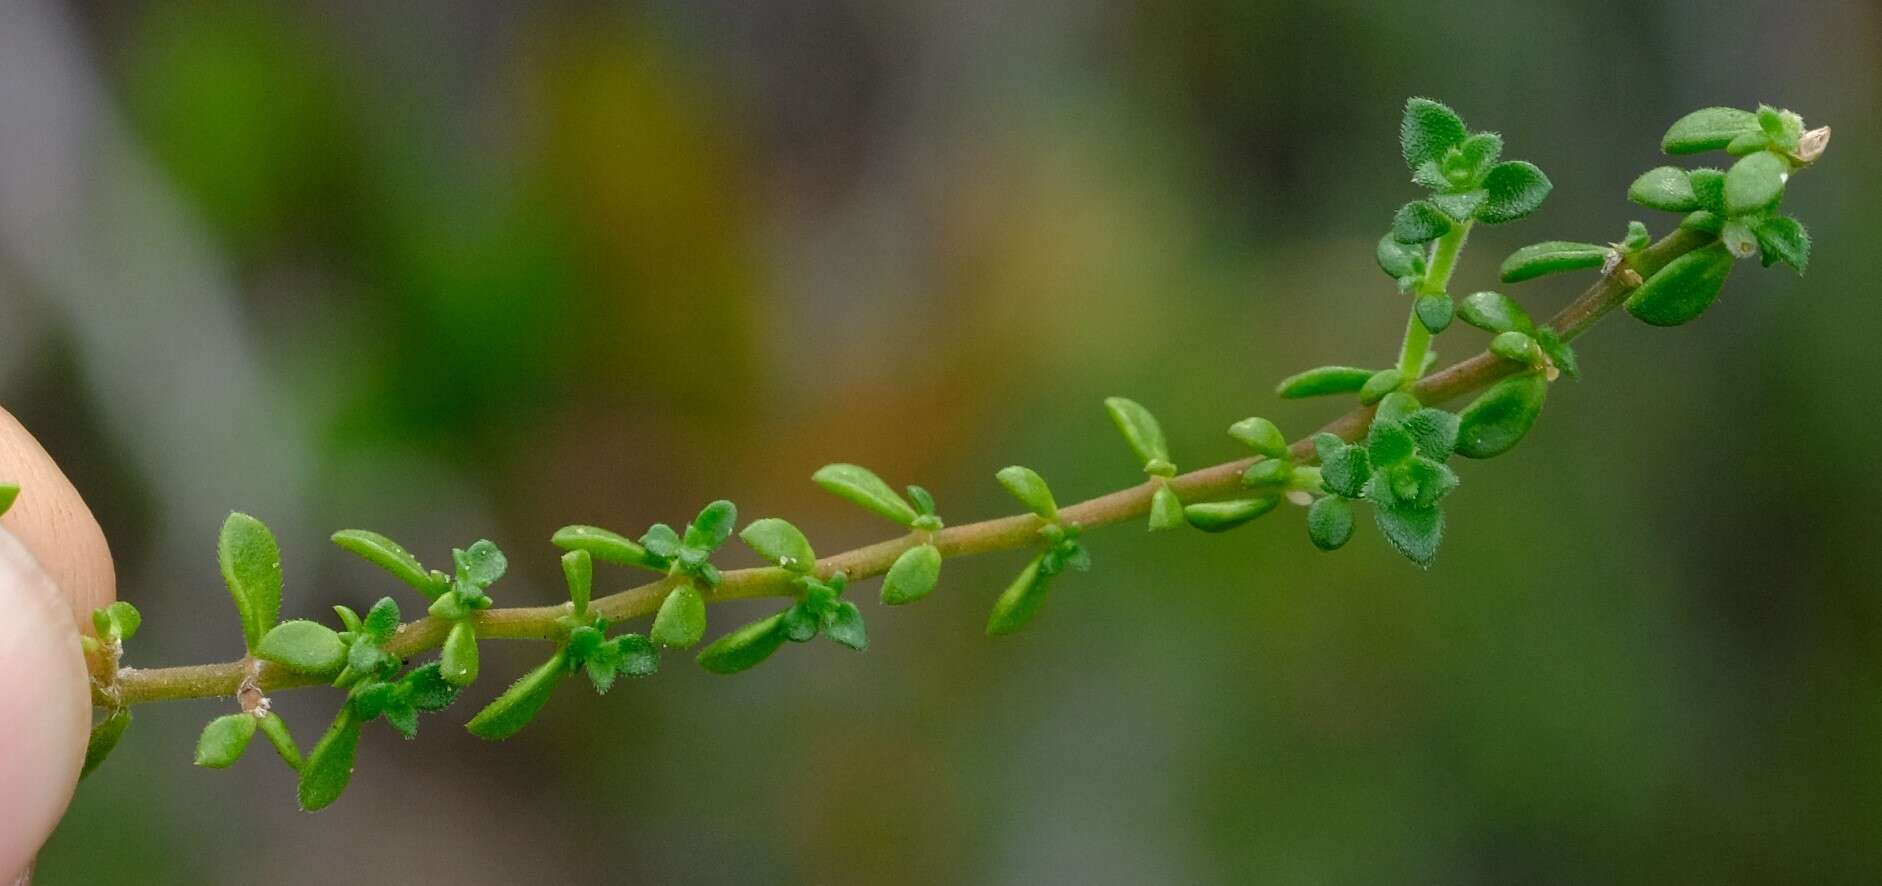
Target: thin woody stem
[[132, 686]]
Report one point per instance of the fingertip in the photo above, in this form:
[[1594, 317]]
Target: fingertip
[[52, 521], [45, 705]]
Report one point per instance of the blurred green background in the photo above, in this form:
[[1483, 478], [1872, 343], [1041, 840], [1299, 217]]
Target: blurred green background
[[451, 271]]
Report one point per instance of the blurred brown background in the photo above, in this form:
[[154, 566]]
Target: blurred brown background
[[451, 271]]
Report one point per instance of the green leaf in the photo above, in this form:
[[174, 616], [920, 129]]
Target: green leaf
[[1683, 289], [1637, 237], [1419, 222], [800, 623], [387, 554], [302, 646], [1383, 382], [1708, 185], [862, 487], [1465, 205], [403, 718], [1435, 432], [1666, 188], [428, 688], [1427, 130], [8, 493], [1738, 238], [1322, 381], [846, 626], [578, 570], [520, 703], [1020, 601], [1494, 312], [743, 648], [608, 547], [913, 575], [1435, 311], [1782, 238], [1518, 347], [482, 564], [1559, 352], [1497, 420], [225, 740], [1269, 472], [636, 656], [459, 656], [1480, 152], [1553, 257], [1397, 406], [1344, 468], [924, 501], [1414, 532], [681, 620], [382, 620], [1388, 443], [251, 566], [1026, 485], [712, 527], [276, 729], [1755, 183], [1261, 435], [781, 543], [118, 621], [1517, 188], [1221, 516], [329, 767], [1140, 430], [1330, 523], [1707, 129], [1749, 143], [1398, 259], [104, 737], [1166, 510]]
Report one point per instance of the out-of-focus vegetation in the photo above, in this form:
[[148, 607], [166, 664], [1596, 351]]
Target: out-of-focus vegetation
[[514, 267]]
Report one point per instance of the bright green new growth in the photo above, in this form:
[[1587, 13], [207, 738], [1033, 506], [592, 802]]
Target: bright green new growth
[[1392, 454]]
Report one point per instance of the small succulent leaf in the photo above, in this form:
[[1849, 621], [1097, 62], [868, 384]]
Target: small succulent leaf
[[1140, 429], [520, 703], [276, 729], [1435, 311], [1464, 205], [1383, 382], [1413, 532], [403, 718], [1344, 468], [1330, 522], [681, 621], [1261, 435], [348, 618], [1221, 516], [1782, 238], [1494, 312], [781, 543], [1026, 485], [1519, 347], [1399, 259], [1559, 352], [429, 687], [606, 546], [659, 540], [712, 527], [1419, 222], [1321, 381], [1021, 600], [305, 647], [923, 499], [1708, 185], [104, 737], [578, 571], [459, 656], [1707, 129], [1497, 420], [1517, 188], [800, 623], [482, 564], [1397, 406], [1666, 188], [1268, 472], [636, 655], [912, 576], [1480, 152], [329, 766], [1435, 432], [1755, 183], [9, 492], [251, 566], [224, 740], [390, 556], [846, 626], [1427, 130], [1683, 289], [860, 486], [1388, 443], [1552, 257], [1166, 510], [743, 648], [600, 673], [382, 620]]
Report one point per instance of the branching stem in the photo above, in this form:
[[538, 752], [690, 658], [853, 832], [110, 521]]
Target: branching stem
[[131, 686], [1411, 354]]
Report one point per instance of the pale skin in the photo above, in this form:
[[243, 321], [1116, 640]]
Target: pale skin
[[54, 569]]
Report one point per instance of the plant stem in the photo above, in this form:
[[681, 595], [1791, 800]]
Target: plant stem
[[1411, 354], [131, 686]]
